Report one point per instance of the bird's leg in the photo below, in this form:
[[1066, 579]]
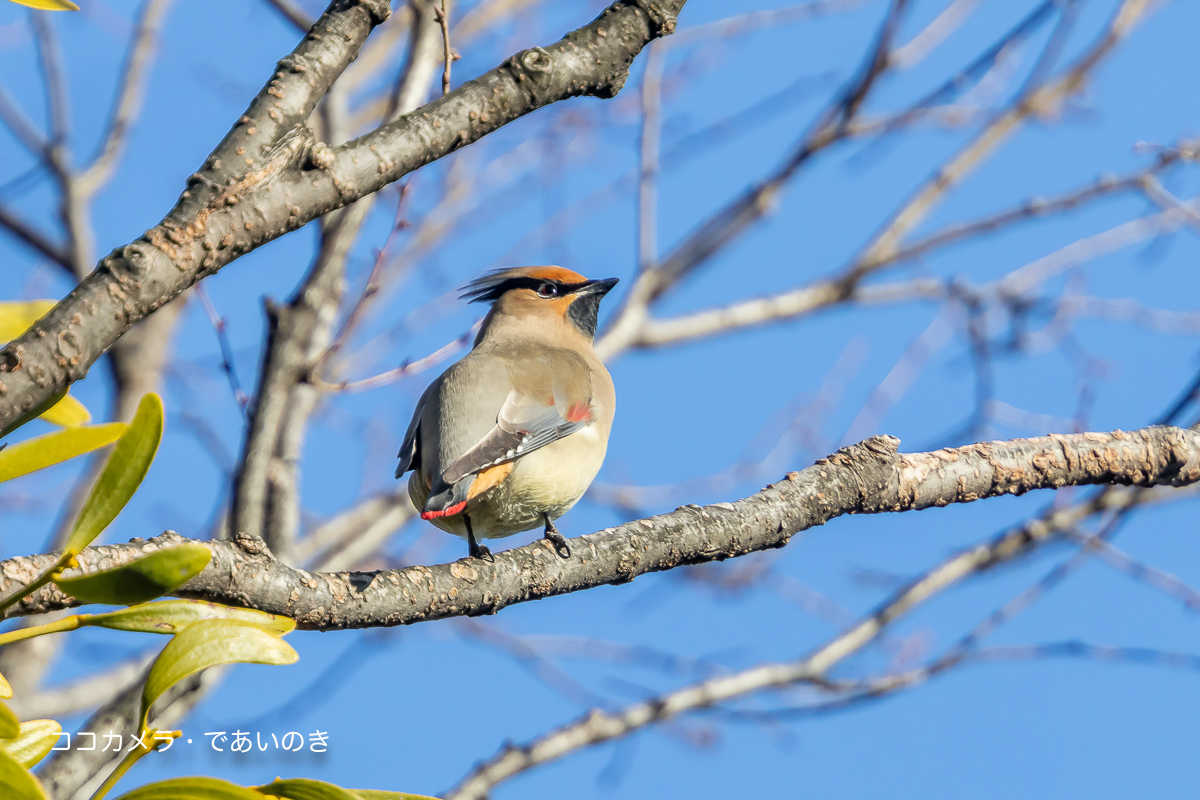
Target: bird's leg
[[555, 538], [474, 548]]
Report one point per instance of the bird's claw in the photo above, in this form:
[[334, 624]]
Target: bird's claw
[[482, 551], [557, 540]]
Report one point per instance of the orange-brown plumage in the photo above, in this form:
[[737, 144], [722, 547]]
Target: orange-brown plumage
[[489, 478], [548, 273]]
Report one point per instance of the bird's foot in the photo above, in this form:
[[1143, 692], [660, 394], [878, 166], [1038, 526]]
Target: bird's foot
[[477, 550], [474, 548], [557, 539]]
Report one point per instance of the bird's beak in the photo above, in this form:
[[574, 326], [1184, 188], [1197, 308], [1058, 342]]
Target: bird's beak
[[598, 288]]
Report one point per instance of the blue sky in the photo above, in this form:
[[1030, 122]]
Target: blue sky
[[413, 709]]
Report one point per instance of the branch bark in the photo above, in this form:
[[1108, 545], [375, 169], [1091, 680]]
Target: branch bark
[[866, 478], [268, 176]]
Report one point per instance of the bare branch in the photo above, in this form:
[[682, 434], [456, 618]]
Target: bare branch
[[54, 79], [266, 494], [34, 239], [1040, 100], [403, 371], [265, 500], [600, 726], [412, 87], [846, 287], [82, 694], [344, 541], [737, 216], [934, 33], [218, 325], [443, 20], [293, 14], [648, 154], [21, 126], [870, 477], [128, 100], [267, 178]]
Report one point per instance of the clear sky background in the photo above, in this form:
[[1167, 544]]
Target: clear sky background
[[412, 709]]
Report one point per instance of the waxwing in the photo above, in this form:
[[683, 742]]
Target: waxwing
[[511, 436]]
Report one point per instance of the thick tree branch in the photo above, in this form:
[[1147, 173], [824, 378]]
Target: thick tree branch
[[266, 492], [268, 177], [869, 477]]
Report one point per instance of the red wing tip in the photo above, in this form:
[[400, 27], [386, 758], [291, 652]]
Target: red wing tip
[[445, 512], [580, 412]]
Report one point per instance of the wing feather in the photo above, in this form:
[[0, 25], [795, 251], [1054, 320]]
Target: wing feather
[[522, 426], [410, 449]]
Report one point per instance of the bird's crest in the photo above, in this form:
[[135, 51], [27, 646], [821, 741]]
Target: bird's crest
[[489, 287]]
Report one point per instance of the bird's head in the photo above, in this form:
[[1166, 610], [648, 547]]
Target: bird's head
[[550, 294]]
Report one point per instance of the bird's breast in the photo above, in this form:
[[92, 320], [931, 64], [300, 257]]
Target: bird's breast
[[558, 474]]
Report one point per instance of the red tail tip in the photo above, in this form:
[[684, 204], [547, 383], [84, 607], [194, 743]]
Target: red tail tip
[[445, 512]]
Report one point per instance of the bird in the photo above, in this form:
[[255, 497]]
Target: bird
[[510, 436]]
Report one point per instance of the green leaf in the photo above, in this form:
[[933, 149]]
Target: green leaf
[[172, 616], [16, 317], [68, 413], [48, 5], [10, 726], [209, 643], [191, 789], [153, 575], [37, 738], [16, 782], [308, 789], [305, 789], [54, 448], [123, 473]]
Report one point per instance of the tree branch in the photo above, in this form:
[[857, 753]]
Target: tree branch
[[866, 478], [129, 97], [292, 13], [34, 239], [600, 726], [268, 177]]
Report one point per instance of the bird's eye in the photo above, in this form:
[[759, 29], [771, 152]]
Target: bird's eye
[[547, 290]]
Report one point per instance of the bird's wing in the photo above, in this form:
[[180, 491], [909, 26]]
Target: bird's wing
[[523, 425], [410, 450], [557, 403]]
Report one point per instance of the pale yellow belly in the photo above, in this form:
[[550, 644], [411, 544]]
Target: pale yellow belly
[[547, 482]]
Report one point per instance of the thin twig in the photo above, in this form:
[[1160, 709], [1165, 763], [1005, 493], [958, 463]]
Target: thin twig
[[735, 218], [403, 371], [443, 18], [20, 125], [293, 14], [128, 99], [648, 154], [227, 365], [34, 239], [1039, 100], [399, 223]]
